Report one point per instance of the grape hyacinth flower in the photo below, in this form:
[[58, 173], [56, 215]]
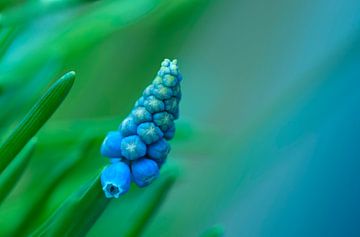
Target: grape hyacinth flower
[[140, 146]]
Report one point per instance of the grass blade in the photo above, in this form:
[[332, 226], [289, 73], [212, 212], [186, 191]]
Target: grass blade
[[138, 225], [13, 172], [54, 179], [76, 216], [7, 35], [35, 119]]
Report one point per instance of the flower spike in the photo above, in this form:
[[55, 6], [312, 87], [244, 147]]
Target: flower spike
[[140, 146]]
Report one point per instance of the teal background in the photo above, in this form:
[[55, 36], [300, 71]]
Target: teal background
[[269, 131]]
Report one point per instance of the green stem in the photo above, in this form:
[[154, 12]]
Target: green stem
[[138, 225]]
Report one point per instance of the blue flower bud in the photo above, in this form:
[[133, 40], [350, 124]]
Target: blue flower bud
[[140, 115], [144, 171], [115, 179], [171, 105], [111, 145], [148, 90], [157, 80], [170, 133], [169, 80], [163, 71], [164, 120], [162, 92], [132, 147], [176, 113], [139, 102], [153, 105], [128, 127], [174, 70], [177, 91], [165, 62], [149, 132], [159, 151]]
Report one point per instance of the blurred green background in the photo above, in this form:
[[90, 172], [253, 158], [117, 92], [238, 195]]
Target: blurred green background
[[269, 129]]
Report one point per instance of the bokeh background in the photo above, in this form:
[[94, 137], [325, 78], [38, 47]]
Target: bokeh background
[[268, 136]]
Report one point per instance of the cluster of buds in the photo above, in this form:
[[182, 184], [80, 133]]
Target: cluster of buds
[[139, 148]]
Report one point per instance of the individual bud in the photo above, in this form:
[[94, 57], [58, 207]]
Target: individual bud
[[148, 90], [162, 92], [176, 90], [128, 127], [111, 145], [164, 120], [140, 102], [149, 133], [163, 71], [169, 80], [170, 133], [159, 151], [153, 105], [171, 105], [157, 80], [132, 147], [115, 179], [144, 171], [176, 113], [166, 62], [174, 69], [140, 115]]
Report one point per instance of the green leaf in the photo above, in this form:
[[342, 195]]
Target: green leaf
[[12, 174], [215, 231], [35, 119], [36, 206], [7, 35], [26, 12], [75, 35], [152, 204], [77, 215]]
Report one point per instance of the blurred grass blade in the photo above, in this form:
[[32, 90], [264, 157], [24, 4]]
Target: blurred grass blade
[[7, 35], [53, 180], [215, 231], [138, 225], [28, 11], [12, 174], [35, 119], [71, 38], [77, 215]]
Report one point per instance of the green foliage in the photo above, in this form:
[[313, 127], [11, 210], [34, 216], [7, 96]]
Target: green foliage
[[46, 195], [35, 119], [12, 174]]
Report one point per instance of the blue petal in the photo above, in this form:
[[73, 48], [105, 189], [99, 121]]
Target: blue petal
[[144, 171], [132, 147], [166, 62], [139, 102], [140, 115], [169, 80], [170, 133], [162, 92], [164, 120], [172, 105], [159, 151], [149, 132], [176, 90], [111, 145], [128, 127], [153, 105], [115, 179]]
